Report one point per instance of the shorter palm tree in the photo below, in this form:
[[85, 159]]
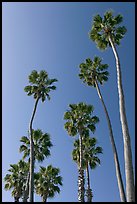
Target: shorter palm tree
[[80, 122], [42, 145], [16, 179], [47, 182], [90, 159]]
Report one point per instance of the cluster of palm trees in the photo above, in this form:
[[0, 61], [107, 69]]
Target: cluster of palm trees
[[35, 147], [105, 32], [81, 122]]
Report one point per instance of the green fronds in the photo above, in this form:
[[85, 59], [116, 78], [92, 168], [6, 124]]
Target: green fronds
[[97, 19], [47, 181], [33, 77], [42, 145], [121, 31], [118, 19], [90, 152], [93, 70], [79, 119], [25, 140], [16, 178], [40, 85], [91, 127], [107, 26], [108, 15]]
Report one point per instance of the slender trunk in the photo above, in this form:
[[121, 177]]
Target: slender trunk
[[81, 190], [130, 188], [26, 191], [31, 181], [89, 192], [116, 160]]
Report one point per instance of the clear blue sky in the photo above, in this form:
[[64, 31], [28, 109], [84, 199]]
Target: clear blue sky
[[54, 37]]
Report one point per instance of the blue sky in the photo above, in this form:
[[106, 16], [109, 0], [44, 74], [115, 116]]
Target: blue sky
[[54, 37]]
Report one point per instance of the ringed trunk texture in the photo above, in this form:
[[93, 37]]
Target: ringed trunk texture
[[130, 188], [89, 192], [81, 190], [116, 160], [31, 181]]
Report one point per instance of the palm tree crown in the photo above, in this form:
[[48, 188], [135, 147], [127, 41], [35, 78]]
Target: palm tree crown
[[92, 71], [17, 178], [40, 85], [90, 152], [47, 182], [42, 145], [105, 27], [78, 116]]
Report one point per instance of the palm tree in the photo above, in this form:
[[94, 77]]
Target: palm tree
[[16, 179], [79, 121], [42, 145], [47, 182], [90, 159], [107, 32], [40, 86], [92, 73]]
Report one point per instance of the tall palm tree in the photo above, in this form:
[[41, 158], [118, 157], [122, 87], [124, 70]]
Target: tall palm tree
[[92, 73], [42, 145], [47, 182], [80, 122], [90, 158], [107, 32], [16, 179], [39, 86]]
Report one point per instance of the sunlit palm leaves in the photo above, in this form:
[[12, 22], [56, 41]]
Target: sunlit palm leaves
[[42, 145], [47, 182], [91, 71], [17, 178], [80, 116], [107, 26], [40, 85], [90, 152]]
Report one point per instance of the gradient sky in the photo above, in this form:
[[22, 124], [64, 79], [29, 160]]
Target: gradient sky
[[54, 37]]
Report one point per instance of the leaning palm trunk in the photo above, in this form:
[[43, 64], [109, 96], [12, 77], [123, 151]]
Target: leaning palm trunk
[[130, 189], [31, 181], [89, 192], [116, 160], [81, 189]]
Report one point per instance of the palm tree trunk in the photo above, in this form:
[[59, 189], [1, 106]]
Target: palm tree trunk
[[16, 199], [116, 160], [81, 189], [26, 191], [89, 193], [130, 188], [44, 198], [31, 181]]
